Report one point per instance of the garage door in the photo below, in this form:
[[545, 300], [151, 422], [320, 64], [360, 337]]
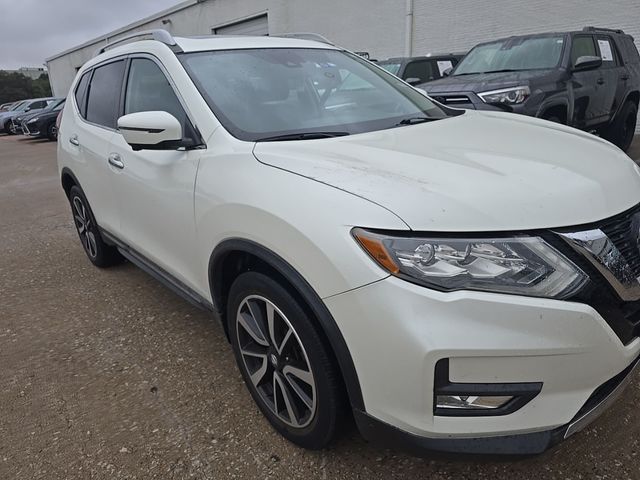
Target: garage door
[[255, 26]]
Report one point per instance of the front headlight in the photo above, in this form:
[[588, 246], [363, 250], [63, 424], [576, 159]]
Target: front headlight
[[508, 96], [33, 120], [518, 265]]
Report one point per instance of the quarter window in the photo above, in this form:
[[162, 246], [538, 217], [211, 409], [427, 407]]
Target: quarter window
[[81, 94], [104, 94], [149, 90], [583, 46]]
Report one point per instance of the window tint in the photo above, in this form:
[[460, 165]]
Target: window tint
[[81, 94], [38, 105], [149, 90], [104, 94], [422, 69], [582, 46]]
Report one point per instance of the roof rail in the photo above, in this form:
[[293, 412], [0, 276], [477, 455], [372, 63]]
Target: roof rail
[[158, 35], [602, 29], [316, 37]]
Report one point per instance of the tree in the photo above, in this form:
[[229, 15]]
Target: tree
[[16, 86]]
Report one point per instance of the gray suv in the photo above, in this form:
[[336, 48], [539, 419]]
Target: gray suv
[[588, 79]]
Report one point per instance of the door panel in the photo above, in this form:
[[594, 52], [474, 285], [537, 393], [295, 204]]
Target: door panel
[[587, 105], [155, 187], [614, 75]]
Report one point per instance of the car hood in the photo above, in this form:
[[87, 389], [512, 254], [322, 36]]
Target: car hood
[[484, 82], [481, 171]]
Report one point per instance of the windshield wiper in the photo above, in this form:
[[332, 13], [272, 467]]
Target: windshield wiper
[[414, 120], [302, 136], [504, 70]]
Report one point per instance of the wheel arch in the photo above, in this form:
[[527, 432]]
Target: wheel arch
[[68, 180], [235, 256]]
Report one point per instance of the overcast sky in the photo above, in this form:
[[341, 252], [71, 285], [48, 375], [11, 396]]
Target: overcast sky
[[32, 30]]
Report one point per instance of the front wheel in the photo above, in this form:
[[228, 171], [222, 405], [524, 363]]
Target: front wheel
[[7, 128], [284, 361], [623, 128]]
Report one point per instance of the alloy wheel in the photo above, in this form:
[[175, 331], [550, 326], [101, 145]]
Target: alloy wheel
[[84, 225], [276, 361]]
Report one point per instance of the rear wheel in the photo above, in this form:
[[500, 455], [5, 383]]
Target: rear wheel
[[284, 361], [99, 253], [52, 132], [623, 128]]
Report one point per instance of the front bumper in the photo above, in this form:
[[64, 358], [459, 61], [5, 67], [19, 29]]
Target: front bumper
[[398, 331]]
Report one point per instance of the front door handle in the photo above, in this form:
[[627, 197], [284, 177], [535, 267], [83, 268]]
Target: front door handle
[[73, 140], [116, 161], [600, 81]]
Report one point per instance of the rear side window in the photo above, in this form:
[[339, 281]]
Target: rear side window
[[607, 52], [583, 46], [81, 94], [149, 90], [104, 94], [629, 50]]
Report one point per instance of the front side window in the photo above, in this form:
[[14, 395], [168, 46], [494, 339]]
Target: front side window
[[420, 69], [583, 46], [262, 93], [513, 54], [149, 90], [104, 94]]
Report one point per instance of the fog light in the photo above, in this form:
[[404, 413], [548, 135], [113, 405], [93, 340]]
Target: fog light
[[452, 399], [473, 402]]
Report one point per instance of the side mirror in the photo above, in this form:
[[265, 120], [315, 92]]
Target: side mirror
[[587, 62], [447, 72], [151, 131], [28, 109], [413, 81], [421, 90]]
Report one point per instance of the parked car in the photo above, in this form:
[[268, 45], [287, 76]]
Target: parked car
[[43, 123], [417, 70], [460, 281], [588, 79], [6, 106], [16, 121], [31, 105]]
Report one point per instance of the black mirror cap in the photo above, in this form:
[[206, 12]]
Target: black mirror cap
[[447, 72], [587, 62], [413, 81]]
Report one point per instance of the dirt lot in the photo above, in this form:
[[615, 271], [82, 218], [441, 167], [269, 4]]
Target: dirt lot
[[106, 374]]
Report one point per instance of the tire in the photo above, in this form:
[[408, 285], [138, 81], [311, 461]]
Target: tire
[[98, 252], [52, 132], [300, 366], [622, 129], [7, 128]]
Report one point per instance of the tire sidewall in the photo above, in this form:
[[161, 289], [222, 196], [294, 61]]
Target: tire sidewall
[[100, 258], [318, 433]]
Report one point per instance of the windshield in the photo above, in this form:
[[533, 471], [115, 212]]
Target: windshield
[[263, 93], [521, 53], [391, 67]]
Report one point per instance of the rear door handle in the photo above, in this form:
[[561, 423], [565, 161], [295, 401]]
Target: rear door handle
[[73, 140], [116, 161], [625, 77], [600, 81]]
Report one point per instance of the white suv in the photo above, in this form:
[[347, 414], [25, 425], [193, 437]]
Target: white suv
[[460, 281]]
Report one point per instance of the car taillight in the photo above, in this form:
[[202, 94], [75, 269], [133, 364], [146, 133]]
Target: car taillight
[[59, 119]]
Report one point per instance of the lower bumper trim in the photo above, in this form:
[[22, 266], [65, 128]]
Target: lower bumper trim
[[522, 444]]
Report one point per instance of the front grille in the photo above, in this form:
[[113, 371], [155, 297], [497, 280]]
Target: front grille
[[624, 232], [609, 252]]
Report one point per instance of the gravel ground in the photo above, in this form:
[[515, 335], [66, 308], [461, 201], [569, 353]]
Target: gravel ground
[[107, 374]]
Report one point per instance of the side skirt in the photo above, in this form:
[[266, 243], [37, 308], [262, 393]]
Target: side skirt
[[159, 273]]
